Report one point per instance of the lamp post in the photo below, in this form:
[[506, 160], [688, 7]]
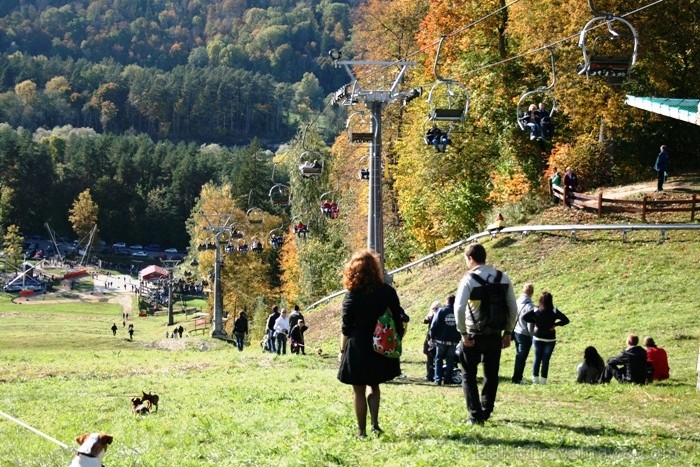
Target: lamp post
[[170, 265], [218, 224]]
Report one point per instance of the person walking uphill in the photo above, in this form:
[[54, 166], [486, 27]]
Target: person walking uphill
[[482, 338], [661, 167], [366, 299], [240, 329]]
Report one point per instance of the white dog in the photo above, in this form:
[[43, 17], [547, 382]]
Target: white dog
[[93, 447]]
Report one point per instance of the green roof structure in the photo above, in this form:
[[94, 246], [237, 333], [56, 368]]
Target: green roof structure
[[680, 109]]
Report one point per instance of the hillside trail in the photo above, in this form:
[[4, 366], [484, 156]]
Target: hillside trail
[[680, 184]]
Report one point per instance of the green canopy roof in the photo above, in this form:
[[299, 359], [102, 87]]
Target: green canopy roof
[[680, 109]]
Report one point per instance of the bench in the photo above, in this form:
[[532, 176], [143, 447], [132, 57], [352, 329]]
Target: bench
[[201, 324]]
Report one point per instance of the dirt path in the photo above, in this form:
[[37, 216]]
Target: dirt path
[[689, 184], [112, 289]]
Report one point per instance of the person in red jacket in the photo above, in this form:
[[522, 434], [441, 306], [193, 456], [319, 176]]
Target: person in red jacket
[[658, 359]]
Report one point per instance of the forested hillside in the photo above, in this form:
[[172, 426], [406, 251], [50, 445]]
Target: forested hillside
[[211, 72], [145, 102]]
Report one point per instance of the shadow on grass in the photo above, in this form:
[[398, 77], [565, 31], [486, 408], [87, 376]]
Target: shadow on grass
[[476, 437]]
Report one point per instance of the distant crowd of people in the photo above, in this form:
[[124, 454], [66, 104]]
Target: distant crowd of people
[[282, 327]]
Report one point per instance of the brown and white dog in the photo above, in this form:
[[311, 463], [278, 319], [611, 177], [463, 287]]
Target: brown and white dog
[[139, 406], [93, 447], [150, 400]]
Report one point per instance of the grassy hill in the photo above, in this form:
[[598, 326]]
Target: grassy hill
[[62, 372]]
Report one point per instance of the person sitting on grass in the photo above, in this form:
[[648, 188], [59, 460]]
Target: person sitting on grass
[[629, 366], [657, 358], [592, 367]]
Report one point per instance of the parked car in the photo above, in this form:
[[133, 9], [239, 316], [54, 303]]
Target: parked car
[[171, 250], [140, 253], [176, 258], [136, 247], [119, 245], [152, 247], [122, 251]]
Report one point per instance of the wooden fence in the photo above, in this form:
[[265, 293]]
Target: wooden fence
[[600, 204]]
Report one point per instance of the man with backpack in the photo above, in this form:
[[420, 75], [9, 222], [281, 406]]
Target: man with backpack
[[485, 310]]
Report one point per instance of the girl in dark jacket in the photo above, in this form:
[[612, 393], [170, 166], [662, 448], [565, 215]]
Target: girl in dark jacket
[[546, 318]]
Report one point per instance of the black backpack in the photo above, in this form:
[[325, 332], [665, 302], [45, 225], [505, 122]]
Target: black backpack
[[493, 310]]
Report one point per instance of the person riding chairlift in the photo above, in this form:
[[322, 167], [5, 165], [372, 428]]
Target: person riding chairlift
[[301, 229], [546, 123], [326, 208], [438, 138], [531, 119]]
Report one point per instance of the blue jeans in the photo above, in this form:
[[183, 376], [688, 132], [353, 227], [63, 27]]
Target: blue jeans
[[523, 343], [240, 336], [543, 352], [271, 341], [281, 343], [444, 352]]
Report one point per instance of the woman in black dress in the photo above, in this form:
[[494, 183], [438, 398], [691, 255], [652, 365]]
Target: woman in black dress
[[366, 300]]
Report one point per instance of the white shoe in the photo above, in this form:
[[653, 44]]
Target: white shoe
[[543, 380], [535, 380]]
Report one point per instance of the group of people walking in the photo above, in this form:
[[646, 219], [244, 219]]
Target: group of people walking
[[283, 326]]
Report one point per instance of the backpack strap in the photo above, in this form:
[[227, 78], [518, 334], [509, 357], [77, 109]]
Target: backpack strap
[[481, 281]]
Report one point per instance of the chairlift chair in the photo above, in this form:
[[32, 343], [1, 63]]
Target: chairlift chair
[[446, 104], [256, 245], [242, 246], [311, 164], [613, 63], [280, 195], [255, 216], [276, 238], [546, 121], [363, 133], [329, 207]]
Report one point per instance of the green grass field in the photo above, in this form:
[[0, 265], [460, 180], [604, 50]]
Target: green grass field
[[62, 372]]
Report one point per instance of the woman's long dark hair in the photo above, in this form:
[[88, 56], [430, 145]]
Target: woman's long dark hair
[[546, 302], [593, 358]]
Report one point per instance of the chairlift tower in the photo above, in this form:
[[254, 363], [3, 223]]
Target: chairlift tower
[[170, 265], [375, 100], [218, 225]]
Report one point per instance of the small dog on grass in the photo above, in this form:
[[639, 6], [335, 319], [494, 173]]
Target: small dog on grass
[[93, 447], [150, 400], [139, 406]]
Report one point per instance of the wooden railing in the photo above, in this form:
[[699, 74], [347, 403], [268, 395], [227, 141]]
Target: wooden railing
[[600, 204]]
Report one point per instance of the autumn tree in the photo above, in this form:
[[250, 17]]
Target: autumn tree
[[83, 214], [12, 244]]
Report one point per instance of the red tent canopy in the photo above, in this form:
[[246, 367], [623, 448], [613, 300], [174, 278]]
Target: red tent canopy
[[152, 272]]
